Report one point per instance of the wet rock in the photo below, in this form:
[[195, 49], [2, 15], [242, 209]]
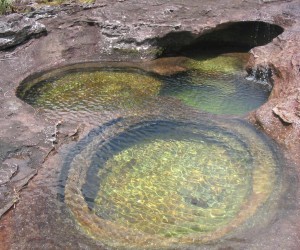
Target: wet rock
[[15, 29], [279, 117]]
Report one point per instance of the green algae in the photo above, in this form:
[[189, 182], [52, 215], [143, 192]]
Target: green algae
[[212, 84], [218, 96], [210, 95], [98, 90]]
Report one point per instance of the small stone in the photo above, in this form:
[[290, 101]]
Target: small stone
[[284, 115]]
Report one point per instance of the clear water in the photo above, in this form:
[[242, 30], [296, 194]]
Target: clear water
[[170, 188], [165, 183], [224, 94], [95, 90], [214, 84], [91, 95], [158, 170]]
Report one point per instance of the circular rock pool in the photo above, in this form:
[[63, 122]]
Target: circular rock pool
[[162, 183]]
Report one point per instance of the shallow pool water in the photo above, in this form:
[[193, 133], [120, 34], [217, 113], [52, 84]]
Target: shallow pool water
[[214, 84], [217, 84], [170, 188], [218, 94], [165, 183], [160, 168]]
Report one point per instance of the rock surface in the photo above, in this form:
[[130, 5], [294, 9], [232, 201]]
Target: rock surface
[[132, 30], [279, 117], [15, 29]]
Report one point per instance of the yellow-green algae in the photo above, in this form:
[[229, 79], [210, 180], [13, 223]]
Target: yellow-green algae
[[173, 188], [225, 64], [98, 90]]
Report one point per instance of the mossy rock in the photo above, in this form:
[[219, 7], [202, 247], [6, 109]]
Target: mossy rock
[[5, 6]]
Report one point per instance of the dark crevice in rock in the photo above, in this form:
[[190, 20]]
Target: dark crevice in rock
[[243, 35], [174, 42], [232, 36]]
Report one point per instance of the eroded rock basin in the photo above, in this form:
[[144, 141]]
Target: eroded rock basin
[[171, 183], [174, 181], [51, 219], [157, 172]]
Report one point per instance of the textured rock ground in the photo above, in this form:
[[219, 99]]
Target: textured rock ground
[[132, 30]]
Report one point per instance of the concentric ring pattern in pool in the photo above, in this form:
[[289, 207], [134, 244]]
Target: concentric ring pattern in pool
[[168, 184]]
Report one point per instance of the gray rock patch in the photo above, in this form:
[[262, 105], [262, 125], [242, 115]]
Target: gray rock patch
[[15, 29]]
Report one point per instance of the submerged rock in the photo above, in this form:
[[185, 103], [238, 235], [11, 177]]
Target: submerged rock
[[15, 29]]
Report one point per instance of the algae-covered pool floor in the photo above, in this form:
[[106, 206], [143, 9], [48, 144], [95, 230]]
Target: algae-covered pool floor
[[211, 83]]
